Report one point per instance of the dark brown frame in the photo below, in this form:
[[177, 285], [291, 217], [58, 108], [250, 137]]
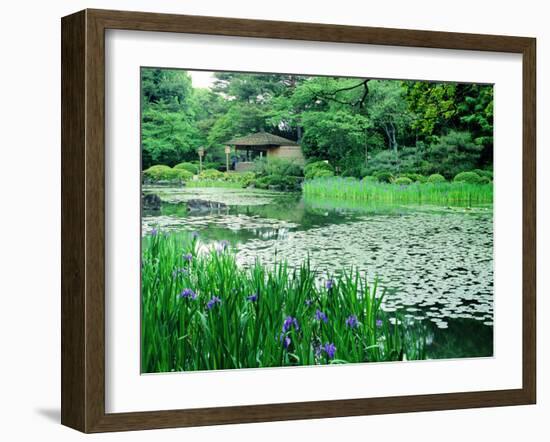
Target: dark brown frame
[[83, 216]]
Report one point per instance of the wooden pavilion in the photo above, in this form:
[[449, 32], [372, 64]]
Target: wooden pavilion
[[263, 144]]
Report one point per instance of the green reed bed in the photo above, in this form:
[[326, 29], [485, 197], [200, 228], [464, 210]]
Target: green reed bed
[[420, 193], [202, 311]]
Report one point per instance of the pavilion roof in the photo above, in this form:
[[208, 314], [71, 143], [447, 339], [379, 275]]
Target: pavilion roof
[[261, 139]]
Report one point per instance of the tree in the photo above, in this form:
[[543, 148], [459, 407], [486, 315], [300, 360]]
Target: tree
[[388, 111], [168, 133], [337, 136]]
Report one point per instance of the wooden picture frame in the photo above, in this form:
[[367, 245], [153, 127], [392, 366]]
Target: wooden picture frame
[[83, 220]]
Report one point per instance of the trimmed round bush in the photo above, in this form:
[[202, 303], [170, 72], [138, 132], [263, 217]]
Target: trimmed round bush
[[485, 180], [436, 178], [383, 177], [484, 173], [160, 172], [403, 181], [211, 174], [415, 177], [467, 177], [369, 179], [190, 167], [323, 174], [182, 175], [311, 170]]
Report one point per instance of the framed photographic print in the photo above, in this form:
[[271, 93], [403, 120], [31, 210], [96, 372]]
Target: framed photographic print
[[269, 220]]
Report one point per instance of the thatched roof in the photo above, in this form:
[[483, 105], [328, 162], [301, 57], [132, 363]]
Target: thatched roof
[[261, 139]]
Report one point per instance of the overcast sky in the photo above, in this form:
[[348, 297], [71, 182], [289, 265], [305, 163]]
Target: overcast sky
[[202, 78]]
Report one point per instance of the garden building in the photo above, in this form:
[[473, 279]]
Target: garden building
[[263, 144]]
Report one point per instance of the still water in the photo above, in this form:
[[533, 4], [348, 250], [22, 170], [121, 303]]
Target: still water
[[435, 263]]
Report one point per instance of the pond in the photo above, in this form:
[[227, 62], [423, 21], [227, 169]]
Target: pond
[[435, 263]]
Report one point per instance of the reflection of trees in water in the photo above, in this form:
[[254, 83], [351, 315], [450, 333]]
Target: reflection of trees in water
[[465, 338]]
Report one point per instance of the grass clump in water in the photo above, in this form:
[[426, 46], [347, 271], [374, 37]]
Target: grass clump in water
[[431, 192]]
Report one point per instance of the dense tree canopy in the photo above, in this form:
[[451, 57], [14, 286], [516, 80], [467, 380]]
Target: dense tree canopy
[[360, 125]]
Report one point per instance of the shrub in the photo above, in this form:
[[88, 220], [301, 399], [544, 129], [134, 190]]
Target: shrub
[[210, 165], [369, 179], [415, 177], [277, 166], [323, 174], [484, 173], [211, 174], [467, 177], [160, 172], [190, 167], [383, 177], [453, 153], [312, 170], [281, 182], [183, 175], [403, 181], [485, 180], [436, 178]]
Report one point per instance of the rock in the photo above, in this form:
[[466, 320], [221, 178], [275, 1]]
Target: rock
[[150, 201], [196, 205]]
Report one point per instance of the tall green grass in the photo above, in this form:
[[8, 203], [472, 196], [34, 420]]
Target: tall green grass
[[234, 317], [420, 193]]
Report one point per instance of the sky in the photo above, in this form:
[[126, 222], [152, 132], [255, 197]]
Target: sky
[[202, 78]]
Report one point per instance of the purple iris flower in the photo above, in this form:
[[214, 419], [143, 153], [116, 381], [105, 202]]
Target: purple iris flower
[[379, 323], [188, 257], [330, 350], [194, 235], [213, 301], [188, 293], [320, 316], [290, 322], [352, 322], [329, 284], [253, 297], [154, 231], [286, 341]]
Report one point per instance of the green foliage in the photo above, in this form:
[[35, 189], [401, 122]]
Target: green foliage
[[277, 166], [183, 328], [453, 153], [278, 182], [322, 173], [484, 173], [468, 177], [190, 167], [384, 177], [318, 168], [415, 177], [485, 180], [161, 172], [361, 126], [369, 179], [211, 174], [168, 132], [436, 178], [402, 181], [335, 135]]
